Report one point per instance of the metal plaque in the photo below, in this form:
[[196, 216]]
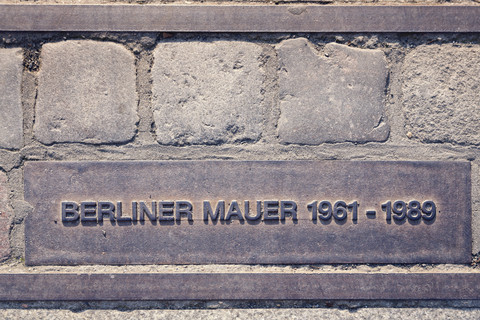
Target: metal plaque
[[248, 212], [238, 286], [244, 18]]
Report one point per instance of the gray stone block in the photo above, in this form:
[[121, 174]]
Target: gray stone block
[[441, 93], [86, 93], [4, 218], [208, 92], [11, 119], [334, 96]]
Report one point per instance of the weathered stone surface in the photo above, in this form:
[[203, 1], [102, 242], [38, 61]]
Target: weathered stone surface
[[475, 207], [11, 119], [4, 218], [86, 93], [331, 98], [441, 93], [356, 313], [208, 92]]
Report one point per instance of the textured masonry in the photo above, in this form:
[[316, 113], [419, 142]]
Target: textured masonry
[[11, 113], [205, 96], [441, 93], [208, 92], [86, 93], [332, 96]]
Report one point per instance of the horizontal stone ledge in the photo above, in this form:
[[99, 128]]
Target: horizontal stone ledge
[[236, 18], [239, 286]]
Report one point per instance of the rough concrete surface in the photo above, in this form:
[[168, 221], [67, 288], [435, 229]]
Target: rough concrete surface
[[86, 93], [5, 213], [287, 313], [11, 113], [17, 266], [321, 2], [207, 92], [441, 93], [331, 96], [475, 206]]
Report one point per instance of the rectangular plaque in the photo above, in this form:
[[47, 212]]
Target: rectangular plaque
[[238, 286], [235, 18], [252, 212]]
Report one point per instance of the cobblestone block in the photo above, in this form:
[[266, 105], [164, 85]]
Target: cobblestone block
[[441, 93], [4, 218], [11, 119], [208, 92], [334, 96], [86, 93]]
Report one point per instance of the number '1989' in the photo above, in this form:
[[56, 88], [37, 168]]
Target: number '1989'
[[413, 210]]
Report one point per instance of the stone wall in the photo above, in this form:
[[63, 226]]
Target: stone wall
[[149, 96]]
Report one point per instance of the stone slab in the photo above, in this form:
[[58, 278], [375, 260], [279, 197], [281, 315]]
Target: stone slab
[[332, 96], [80, 97], [441, 95], [208, 92], [239, 286], [245, 18], [11, 120], [321, 238]]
